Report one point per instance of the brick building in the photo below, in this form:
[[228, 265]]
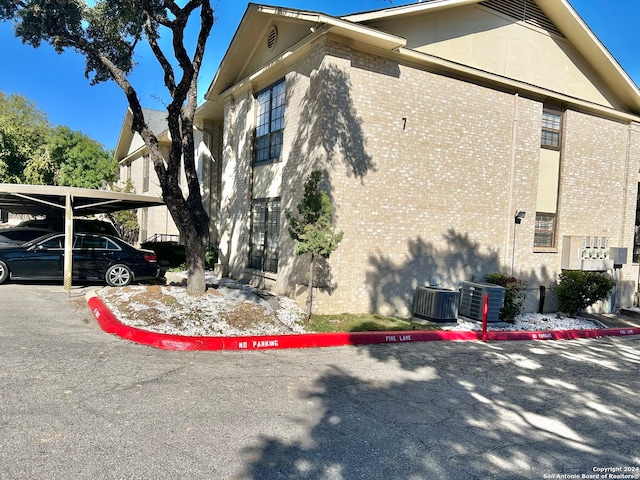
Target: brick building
[[136, 171], [434, 124]]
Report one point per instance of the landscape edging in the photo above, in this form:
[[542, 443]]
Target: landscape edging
[[110, 324]]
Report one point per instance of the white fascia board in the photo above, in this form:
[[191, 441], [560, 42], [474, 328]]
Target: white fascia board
[[134, 155], [247, 82], [591, 48], [414, 8], [125, 135]]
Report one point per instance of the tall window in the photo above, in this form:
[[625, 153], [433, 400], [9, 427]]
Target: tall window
[[270, 123], [265, 233], [544, 231], [551, 125], [145, 173]]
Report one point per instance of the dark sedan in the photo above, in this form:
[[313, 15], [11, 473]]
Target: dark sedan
[[18, 235], [95, 257]]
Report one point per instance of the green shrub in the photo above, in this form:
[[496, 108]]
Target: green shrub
[[514, 296], [578, 290], [211, 257]]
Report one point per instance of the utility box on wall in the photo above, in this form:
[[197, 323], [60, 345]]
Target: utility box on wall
[[618, 255], [587, 253]]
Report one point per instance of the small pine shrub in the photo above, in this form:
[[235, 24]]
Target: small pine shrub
[[514, 295], [578, 290]]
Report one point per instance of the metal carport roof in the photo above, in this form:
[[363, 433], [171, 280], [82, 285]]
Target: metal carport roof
[[47, 200]]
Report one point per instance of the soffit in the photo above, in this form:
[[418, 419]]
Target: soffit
[[562, 14]]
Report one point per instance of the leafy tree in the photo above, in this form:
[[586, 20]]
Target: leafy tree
[[40, 169], [33, 152], [81, 161], [23, 135], [578, 290], [313, 232], [107, 34], [126, 221]]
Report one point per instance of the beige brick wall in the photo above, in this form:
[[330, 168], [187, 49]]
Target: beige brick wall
[[235, 205], [211, 172], [426, 173], [598, 184]]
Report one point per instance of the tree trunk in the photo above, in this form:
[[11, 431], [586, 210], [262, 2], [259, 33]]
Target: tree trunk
[[189, 216], [312, 271], [195, 251]]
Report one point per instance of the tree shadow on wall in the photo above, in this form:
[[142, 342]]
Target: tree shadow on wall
[[324, 279], [329, 134], [393, 285], [236, 205], [329, 129]]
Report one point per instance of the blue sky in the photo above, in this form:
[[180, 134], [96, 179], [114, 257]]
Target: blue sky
[[56, 83]]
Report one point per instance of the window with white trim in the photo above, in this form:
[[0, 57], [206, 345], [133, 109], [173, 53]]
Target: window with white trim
[[270, 123], [544, 233], [551, 128]]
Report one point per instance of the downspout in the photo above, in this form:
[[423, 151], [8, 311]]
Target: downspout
[[626, 186], [623, 223], [624, 210], [510, 209]]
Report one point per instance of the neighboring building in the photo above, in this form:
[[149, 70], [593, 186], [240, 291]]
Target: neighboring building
[[435, 124], [137, 170]]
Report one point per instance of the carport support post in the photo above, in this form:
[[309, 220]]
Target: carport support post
[[68, 243]]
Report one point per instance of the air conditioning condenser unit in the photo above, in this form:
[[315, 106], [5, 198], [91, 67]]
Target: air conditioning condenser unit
[[471, 296], [436, 304]]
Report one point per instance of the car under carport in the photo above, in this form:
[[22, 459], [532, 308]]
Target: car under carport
[[68, 201]]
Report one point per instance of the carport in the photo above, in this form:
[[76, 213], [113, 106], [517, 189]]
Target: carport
[[68, 201]]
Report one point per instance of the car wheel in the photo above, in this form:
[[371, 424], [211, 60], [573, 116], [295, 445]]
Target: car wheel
[[4, 272], [118, 276]]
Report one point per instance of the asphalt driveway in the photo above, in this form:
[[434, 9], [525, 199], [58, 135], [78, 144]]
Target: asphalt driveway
[[78, 403]]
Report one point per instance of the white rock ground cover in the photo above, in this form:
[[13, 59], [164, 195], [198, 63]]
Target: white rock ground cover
[[230, 308]]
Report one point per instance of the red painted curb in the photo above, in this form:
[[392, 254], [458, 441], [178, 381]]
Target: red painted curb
[[110, 324]]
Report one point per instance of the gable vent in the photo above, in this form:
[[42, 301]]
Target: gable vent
[[525, 11], [272, 37]]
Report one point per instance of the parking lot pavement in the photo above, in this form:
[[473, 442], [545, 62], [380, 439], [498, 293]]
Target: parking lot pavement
[[77, 403]]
